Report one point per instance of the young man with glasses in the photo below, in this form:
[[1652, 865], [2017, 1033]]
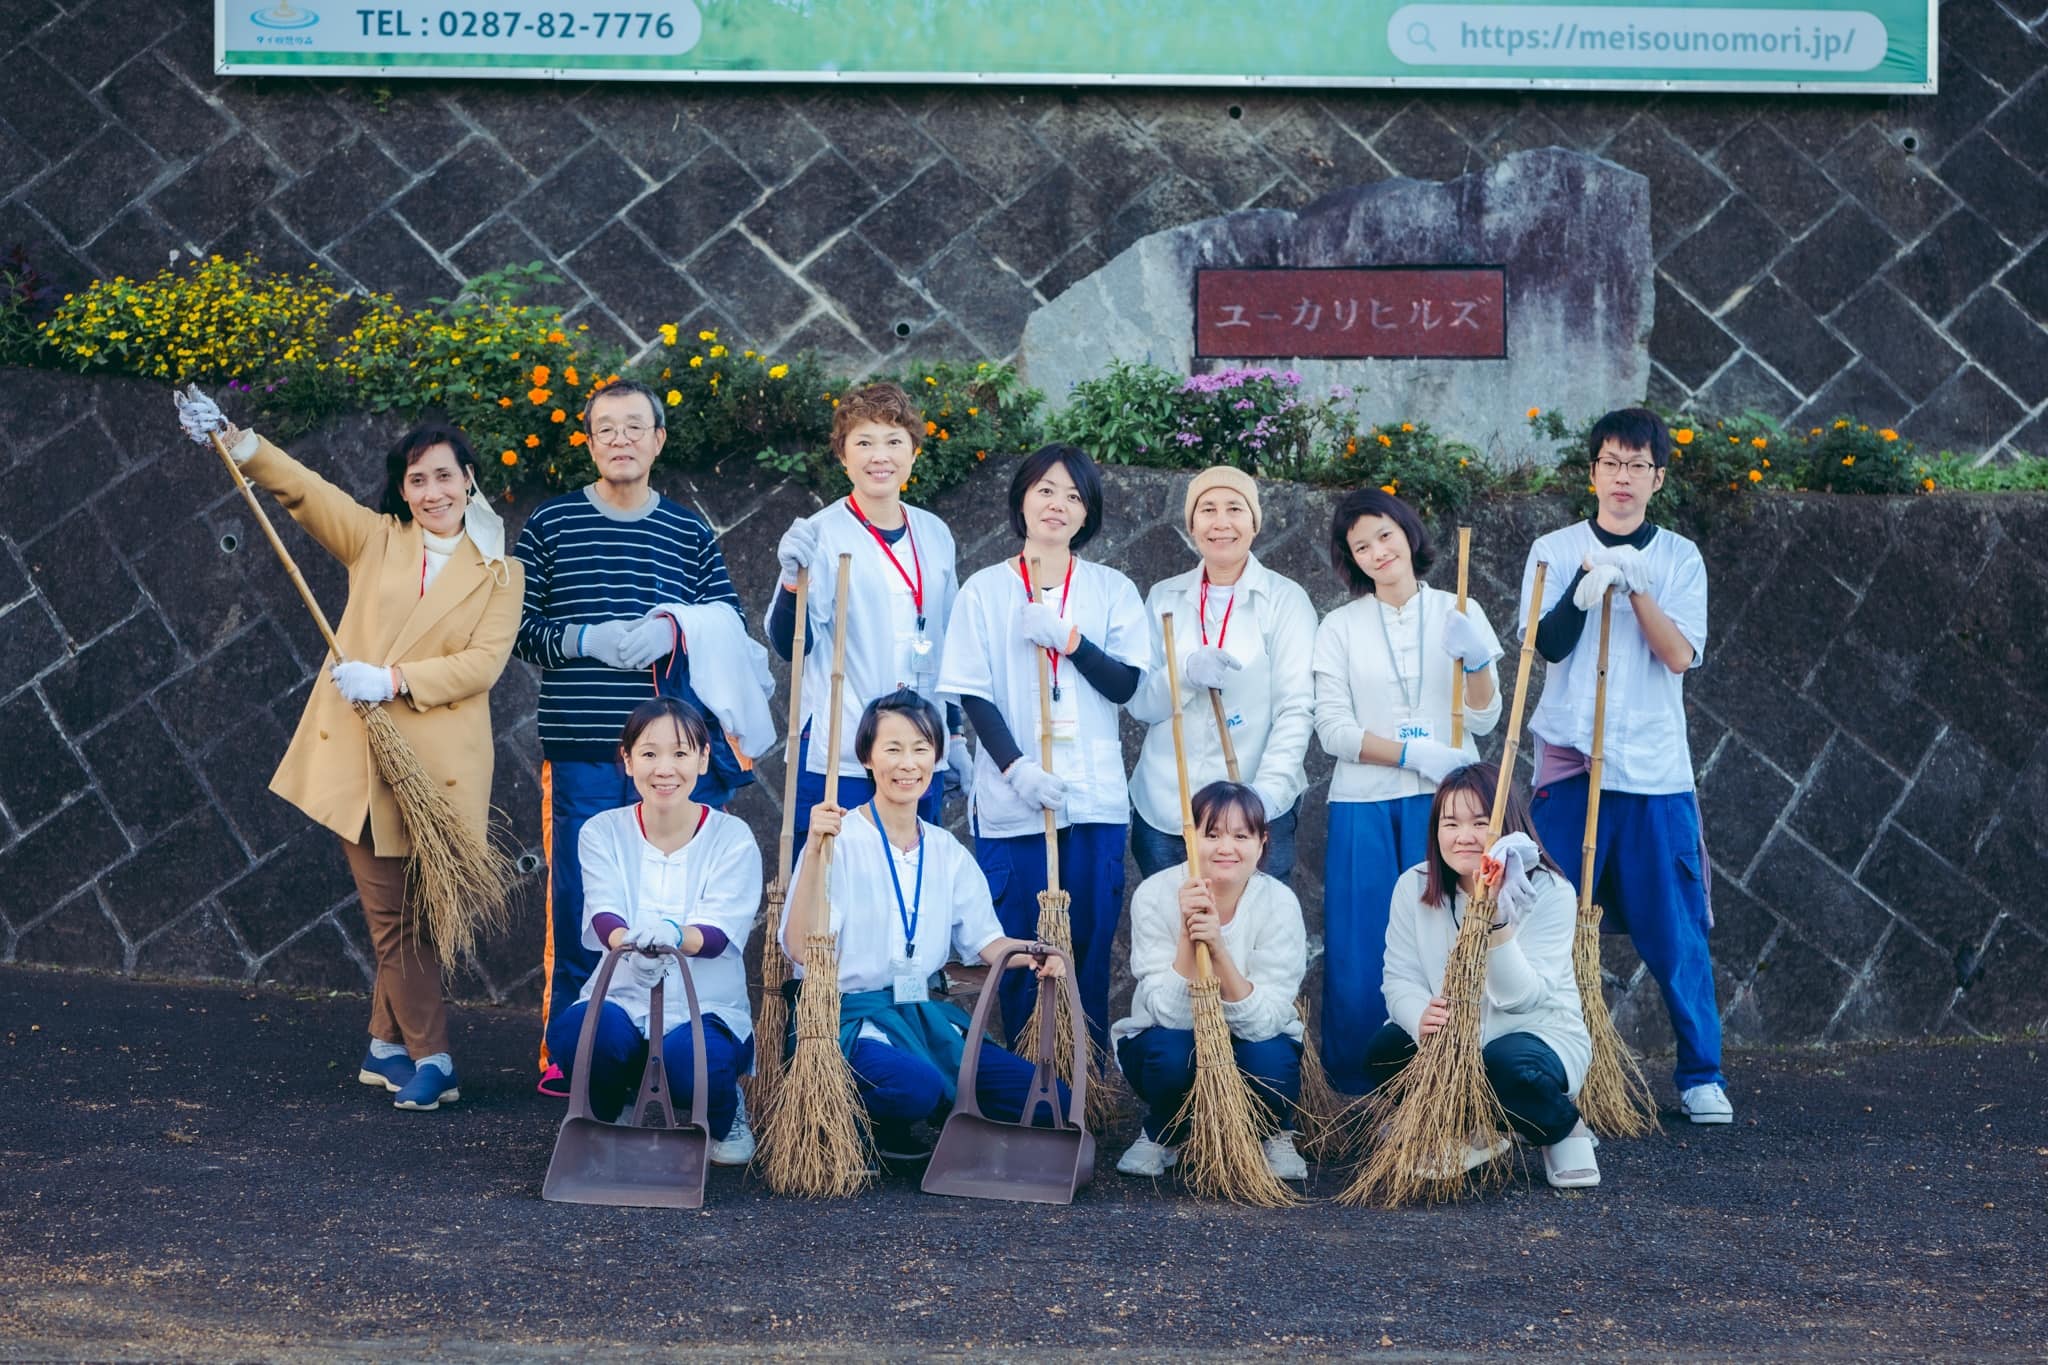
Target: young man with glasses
[[1650, 870], [602, 566]]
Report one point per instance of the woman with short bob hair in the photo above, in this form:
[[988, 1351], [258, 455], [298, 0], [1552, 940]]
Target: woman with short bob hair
[[1080, 623], [1258, 949], [1536, 1046], [1385, 666]]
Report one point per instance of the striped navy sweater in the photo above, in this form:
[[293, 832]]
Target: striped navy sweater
[[588, 562]]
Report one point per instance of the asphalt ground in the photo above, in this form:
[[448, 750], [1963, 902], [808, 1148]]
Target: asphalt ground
[[193, 1172]]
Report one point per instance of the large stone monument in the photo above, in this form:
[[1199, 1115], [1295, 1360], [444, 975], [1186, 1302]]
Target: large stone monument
[[1463, 303]]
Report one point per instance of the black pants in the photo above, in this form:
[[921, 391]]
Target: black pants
[[1523, 1070]]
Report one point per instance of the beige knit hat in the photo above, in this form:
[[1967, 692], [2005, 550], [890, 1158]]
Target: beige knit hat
[[1223, 476]]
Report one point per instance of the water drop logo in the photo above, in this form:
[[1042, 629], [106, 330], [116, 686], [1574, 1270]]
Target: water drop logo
[[284, 15]]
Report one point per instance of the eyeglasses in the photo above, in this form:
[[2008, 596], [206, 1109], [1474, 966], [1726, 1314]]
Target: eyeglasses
[[632, 431], [1634, 468]]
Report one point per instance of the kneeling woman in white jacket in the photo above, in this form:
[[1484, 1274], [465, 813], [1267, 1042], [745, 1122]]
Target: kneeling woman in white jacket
[[673, 872], [1536, 1047], [1258, 950]]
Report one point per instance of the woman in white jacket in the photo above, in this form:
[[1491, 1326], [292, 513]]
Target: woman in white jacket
[[1385, 666], [1536, 1047], [1249, 633], [1258, 950], [670, 872]]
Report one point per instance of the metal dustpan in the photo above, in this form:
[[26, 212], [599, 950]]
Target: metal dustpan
[[982, 1158], [629, 1162]]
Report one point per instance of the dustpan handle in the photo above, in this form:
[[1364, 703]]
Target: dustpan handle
[[586, 1040], [699, 1068], [977, 1031]]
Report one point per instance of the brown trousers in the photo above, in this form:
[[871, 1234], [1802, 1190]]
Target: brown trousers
[[406, 1007]]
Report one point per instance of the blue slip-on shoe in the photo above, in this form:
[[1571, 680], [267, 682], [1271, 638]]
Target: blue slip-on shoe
[[389, 1072], [429, 1088]]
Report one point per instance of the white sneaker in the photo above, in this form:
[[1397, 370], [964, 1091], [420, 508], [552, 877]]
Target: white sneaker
[[1146, 1157], [1707, 1104], [737, 1148], [1282, 1160]]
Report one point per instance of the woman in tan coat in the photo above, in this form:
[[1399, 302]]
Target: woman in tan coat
[[433, 605]]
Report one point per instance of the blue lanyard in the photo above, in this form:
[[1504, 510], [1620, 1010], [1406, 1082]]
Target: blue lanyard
[[906, 915]]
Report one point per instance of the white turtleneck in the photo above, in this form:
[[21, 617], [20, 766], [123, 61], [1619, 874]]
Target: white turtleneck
[[439, 548]]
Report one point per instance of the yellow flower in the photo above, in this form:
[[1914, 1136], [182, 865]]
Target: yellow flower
[[1841, 423], [1385, 439], [1388, 488], [675, 396], [532, 441], [1534, 413], [707, 336], [1407, 426], [931, 381], [1756, 476], [778, 371], [1888, 434], [668, 334], [1814, 432], [1758, 441], [509, 457], [558, 416], [1848, 461], [748, 354], [1864, 427], [717, 351], [974, 412], [696, 362]]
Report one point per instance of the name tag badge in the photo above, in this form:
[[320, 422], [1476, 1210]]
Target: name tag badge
[[908, 984], [1066, 714], [1415, 729], [1234, 719]]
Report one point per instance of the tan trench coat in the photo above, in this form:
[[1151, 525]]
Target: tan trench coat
[[450, 644]]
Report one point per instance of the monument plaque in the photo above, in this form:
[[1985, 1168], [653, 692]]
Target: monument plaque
[[1418, 312]]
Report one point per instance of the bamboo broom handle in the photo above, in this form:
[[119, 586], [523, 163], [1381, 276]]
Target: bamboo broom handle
[[291, 567], [822, 910], [1052, 824], [1458, 674], [785, 847], [1597, 763], [1180, 767], [1513, 746], [1223, 733]]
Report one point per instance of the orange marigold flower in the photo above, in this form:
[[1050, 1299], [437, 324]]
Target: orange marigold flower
[[930, 428], [1758, 441], [1407, 426], [1385, 439], [1756, 476], [1848, 461], [504, 402], [945, 435], [1535, 413], [1888, 434], [557, 337], [1683, 436], [509, 457], [981, 454], [1388, 488], [569, 376], [558, 416], [531, 440], [1927, 484], [577, 438], [538, 395], [540, 375]]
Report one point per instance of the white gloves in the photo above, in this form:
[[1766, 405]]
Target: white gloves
[[1043, 626], [646, 641], [656, 934], [1594, 586], [1433, 760], [1635, 570], [1470, 641], [797, 548], [1037, 787], [1520, 856], [1209, 666], [603, 641], [199, 415], [363, 682], [646, 970]]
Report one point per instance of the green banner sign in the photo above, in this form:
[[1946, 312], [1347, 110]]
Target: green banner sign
[[1834, 46]]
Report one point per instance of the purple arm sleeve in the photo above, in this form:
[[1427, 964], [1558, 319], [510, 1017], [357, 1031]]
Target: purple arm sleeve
[[603, 924], [715, 941]]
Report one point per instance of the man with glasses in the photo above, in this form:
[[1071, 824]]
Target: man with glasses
[[1650, 870], [602, 564]]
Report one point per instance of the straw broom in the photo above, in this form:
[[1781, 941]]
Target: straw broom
[[1428, 1112], [772, 1021], [1319, 1114], [815, 1140], [456, 878], [1615, 1098], [1221, 1157]]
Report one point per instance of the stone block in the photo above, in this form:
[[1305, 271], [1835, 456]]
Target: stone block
[[822, 201], [2007, 342], [34, 505], [248, 672], [1797, 991], [502, 242], [698, 204], [825, 334], [1929, 894], [1970, 414], [996, 149], [868, 291], [1822, 905], [159, 109], [1906, 994], [1113, 157], [763, 131], [919, 220], [462, 192], [1837, 258], [1318, 155], [1776, 177], [1688, 343], [1874, 701], [197, 585], [1994, 42], [197, 947], [2006, 998], [383, 252], [1042, 223], [2010, 856], [1703, 121], [579, 199], [216, 191], [19, 162], [412, 122], [30, 642], [279, 897], [178, 868], [2000, 188], [535, 124], [1884, 327], [44, 107], [103, 677], [884, 146], [77, 933], [1743, 926], [1779, 329], [1741, 798], [98, 38], [1220, 153], [1966, 688], [64, 269], [987, 300], [763, 300], [1891, 182], [1859, 391], [1949, 264], [652, 126], [1587, 326], [2002, 625], [295, 125], [262, 234], [1724, 254], [80, 577], [137, 245], [1167, 202], [90, 188], [1744, 385], [639, 287], [318, 959], [1846, 800], [41, 772], [2017, 125], [141, 773], [47, 864], [351, 182]]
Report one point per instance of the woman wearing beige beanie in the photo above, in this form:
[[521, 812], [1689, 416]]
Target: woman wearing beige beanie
[[1248, 632]]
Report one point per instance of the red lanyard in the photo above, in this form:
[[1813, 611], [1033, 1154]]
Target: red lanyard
[[640, 814], [1031, 592], [916, 586], [423, 573], [1222, 631]]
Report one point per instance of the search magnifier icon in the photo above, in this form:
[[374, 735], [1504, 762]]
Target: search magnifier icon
[[1418, 36]]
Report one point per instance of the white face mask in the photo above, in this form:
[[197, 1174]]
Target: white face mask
[[486, 528]]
